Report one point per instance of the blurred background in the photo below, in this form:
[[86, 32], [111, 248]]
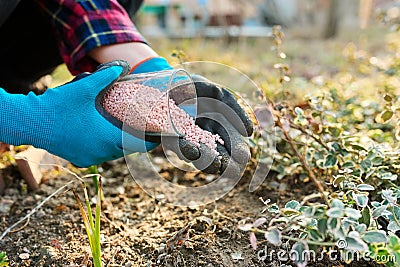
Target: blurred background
[[316, 40], [254, 18]]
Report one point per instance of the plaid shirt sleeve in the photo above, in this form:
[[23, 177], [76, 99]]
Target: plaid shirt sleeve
[[82, 25]]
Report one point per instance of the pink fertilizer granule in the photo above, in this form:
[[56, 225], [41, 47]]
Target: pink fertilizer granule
[[146, 108]]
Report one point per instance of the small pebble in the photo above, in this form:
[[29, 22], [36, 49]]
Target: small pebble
[[210, 178], [5, 205], [24, 256]]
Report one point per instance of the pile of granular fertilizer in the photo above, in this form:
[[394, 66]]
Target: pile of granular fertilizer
[[148, 111]]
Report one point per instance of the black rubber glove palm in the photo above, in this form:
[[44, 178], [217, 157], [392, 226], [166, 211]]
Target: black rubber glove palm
[[218, 112]]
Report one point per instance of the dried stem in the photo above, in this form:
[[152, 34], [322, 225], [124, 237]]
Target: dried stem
[[307, 168], [318, 140]]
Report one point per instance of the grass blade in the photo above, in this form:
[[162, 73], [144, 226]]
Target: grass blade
[[84, 218]]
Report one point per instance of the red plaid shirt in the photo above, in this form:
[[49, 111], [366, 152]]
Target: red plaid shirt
[[82, 25]]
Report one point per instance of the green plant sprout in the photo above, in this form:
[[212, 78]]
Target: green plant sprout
[[92, 227], [94, 170], [3, 259]]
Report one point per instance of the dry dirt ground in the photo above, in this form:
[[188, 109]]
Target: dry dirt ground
[[134, 226]]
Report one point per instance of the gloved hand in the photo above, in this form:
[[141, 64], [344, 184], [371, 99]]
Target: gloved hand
[[217, 112], [65, 122]]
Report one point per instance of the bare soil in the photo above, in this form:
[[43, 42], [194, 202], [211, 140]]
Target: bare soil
[[136, 227]]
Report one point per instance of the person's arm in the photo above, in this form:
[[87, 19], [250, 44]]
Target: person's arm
[[133, 52], [89, 38], [140, 56]]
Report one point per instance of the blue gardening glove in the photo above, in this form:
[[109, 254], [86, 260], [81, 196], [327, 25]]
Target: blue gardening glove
[[217, 112], [65, 121]]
